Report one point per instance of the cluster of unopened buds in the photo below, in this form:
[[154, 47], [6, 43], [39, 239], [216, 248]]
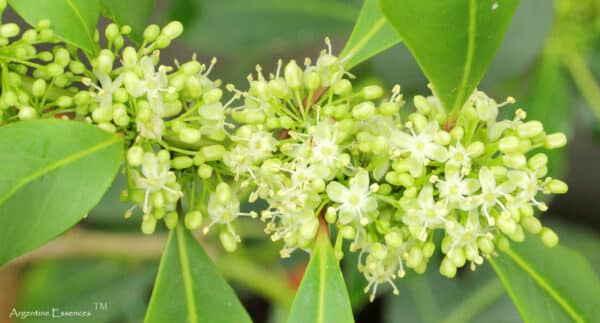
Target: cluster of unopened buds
[[304, 140]]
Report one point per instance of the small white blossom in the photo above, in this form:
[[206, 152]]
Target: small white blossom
[[355, 201]]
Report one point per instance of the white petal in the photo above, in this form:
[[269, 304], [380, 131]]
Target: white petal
[[336, 192]]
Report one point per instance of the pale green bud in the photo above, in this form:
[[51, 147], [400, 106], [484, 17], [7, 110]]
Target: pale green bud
[[104, 61], [46, 35], [415, 256], [486, 245], [293, 75], [372, 92], [558, 187], [348, 232], [27, 113], [213, 152], [229, 242], [38, 89], [399, 179], [191, 67], [421, 104], [457, 256], [54, 70], [447, 268], [193, 220], [193, 86], [555, 140], [342, 87], [223, 193], [111, 31], [151, 32], [389, 108], [212, 96], [9, 30], [457, 133], [135, 156], [508, 144], [514, 160], [331, 217], [163, 156], [279, 88], [182, 162], [313, 80], [173, 30], [62, 57], [537, 161], [363, 110], [102, 115], [148, 225], [30, 36], [506, 224], [189, 135], [205, 171], [531, 224], [394, 239], [64, 101], [309, 229], [530, 129], [171, 220], [549, 237], [442, 137], [129, 55], [428, 249]]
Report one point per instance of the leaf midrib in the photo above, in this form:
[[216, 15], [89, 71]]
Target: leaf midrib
[[472, 29], [322, 276], [545, 285], [81, 20], [188, 283], [57, 164]]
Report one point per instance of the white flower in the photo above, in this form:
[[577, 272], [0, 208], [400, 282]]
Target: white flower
[[459, 157], [155, 177], [225, 213], [239, 160], [325, 150], [491, 193], [421, 147], [107, 88], [152, 84], [529, 186], [457, 191], [466, 236], [355, 201], [425, 213], [151, 129]]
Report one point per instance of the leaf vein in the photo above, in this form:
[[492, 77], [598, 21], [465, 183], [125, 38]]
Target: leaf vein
[[186, 275], [470, 53]]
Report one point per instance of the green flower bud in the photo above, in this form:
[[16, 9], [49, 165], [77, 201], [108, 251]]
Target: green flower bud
[[38, 88], [104, 61], [342, 87], [111, 31], [309, 229], [213, 152], [182, 162], [54, 70], [193, 86], [193, 220], [331, 217], [537, 161], [191, 67], [129, 55], [158, 201], [9, 30], [394, 239], [415, 256], [442, 137], [530, 129], [555, 140], [447, 268], [399, 179], [30, 36], [514, 160], [135, 156], [62, 57], [190, 135], [293, 75], [421, 104], [384, 189], [313, 80], [102, 115], [163, 156], [475, 149], [46, 35], [173, 30], [428, 249], [486, 245], [506, 225], [418, 121], [508, 144], [162, 41], [108, 127], [212, 96], [205, 171], [148, 225], [457, 133], [151, 33], [171, 220], [76, 67], [389, 108], [64, 101], [27, 113], [558, 187], [125, 29], [549, 237], [228, 241], [363, 110], [372, 92], [531, 224], [223, 193], [279, 88], [457, 256]]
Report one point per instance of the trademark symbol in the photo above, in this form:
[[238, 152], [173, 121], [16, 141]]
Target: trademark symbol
[[100, 306]]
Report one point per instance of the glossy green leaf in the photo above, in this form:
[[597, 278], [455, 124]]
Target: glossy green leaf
[[371, 35], [134, 13], [189, 288], [549, 103], [74, 21], [322, 296], [454, 41], [471, 297], [549, 285], [52, 173], [109, 290]]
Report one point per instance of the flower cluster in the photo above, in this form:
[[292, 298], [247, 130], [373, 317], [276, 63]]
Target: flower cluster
[[305, 140]]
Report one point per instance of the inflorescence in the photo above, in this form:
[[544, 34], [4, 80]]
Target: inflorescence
[[304, 140]]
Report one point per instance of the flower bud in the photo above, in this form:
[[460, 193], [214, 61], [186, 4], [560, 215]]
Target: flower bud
[[531, 224], [537, 161], [46, 35], [508, 144], [486, 245], [111, 31], [148, 225], [228, 241], [189, 135], [193, 220], [313, 80], [514, 160], [205, 171], [223, 193], [27, 113], [331, 217], [171, 220], [457, 133], [151, 32], [135, 156], [371, 92], [555, 140], [38, 89], [309, 229], [129, 57], [102, 115], [182, 162], [394, 239], [9, 30], [457, 256], [447, 268], [193, 86], [173, 30], [293, 75], [549, 237], [558, 187], [342, 87], [530, 129], [415, 256], [389, 108], [212, 96], [363, 110], [62, 57], [421, 104], [475, 149]]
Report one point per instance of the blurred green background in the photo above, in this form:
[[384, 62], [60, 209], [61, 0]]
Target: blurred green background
[[548, 61]]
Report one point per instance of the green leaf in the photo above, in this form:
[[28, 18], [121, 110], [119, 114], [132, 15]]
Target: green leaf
[[371, 35], [454, 41], [74, 21], [473, 296], [322, 296], [110, 291], [189, 288], [52, 173], [549, 285], [122, 13]]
